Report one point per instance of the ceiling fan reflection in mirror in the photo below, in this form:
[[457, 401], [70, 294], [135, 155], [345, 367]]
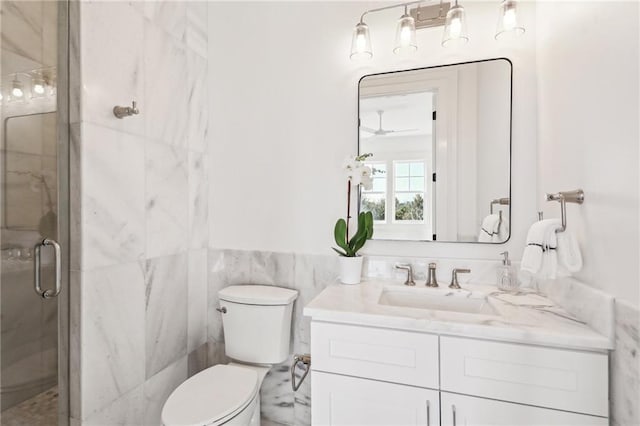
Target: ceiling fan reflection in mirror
[[380, 131]]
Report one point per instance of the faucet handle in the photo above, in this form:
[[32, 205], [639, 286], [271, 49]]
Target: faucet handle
[[454, 277], [405, 266]]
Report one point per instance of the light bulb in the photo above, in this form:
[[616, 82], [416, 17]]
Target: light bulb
[[16, 89], [455, 27], [38, 88], [508, 20], [405, 35], [361, 43]]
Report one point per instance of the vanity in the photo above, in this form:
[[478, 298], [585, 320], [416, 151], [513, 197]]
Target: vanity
[[387, 354]]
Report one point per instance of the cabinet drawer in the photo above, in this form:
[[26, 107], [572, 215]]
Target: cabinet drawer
[[349, 401], [460, 410], [555, 378], [389, 355]]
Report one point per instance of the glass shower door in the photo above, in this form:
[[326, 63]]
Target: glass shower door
[[33, 231]]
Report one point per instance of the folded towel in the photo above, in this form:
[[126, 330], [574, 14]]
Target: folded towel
[[489, 228], [539, 257], [569, 256]]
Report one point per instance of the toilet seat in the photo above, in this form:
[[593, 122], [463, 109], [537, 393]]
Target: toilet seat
[[212, 396]]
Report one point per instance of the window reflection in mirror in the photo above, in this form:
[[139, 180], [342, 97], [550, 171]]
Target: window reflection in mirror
[[441, 144]]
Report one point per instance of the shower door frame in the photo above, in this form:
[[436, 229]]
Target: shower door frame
[[64, 211]]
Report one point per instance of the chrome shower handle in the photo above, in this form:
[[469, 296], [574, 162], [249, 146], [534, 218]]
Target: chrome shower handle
[[47, 294]]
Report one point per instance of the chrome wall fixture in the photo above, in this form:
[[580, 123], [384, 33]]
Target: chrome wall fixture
[[576, 196], [28, 85], [453, 17], [121, 112]]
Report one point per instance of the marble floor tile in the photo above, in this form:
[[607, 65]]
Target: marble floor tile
[[112, 350], [166, 311], [276, 396], [158, 388], [166, 200]]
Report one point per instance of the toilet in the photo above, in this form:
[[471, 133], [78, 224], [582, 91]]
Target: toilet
[[257, 324]]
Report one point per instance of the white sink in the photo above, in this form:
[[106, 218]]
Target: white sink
[[439, 299]]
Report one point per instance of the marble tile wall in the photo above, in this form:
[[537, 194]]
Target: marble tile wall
[[139, 193]]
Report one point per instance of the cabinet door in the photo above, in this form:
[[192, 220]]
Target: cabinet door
[[348, 401], [459, 410]]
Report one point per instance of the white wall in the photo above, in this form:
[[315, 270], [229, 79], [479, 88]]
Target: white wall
[[284, 116], [588, 135]]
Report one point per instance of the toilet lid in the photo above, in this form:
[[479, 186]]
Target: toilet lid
[[213, 394]]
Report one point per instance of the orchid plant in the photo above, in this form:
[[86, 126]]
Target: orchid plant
[[357, 174]]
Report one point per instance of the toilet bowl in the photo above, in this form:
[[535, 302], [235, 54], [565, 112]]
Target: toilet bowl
[[257, 325]]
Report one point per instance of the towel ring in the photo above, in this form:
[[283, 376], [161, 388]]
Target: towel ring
[[564, 197]]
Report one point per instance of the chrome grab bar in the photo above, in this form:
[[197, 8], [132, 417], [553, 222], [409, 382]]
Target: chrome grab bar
[[47, 294], [297, 359]]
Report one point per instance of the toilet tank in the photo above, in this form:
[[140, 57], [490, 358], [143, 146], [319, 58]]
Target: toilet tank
[[257, 322]]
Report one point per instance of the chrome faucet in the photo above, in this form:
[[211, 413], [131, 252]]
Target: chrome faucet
[[454, 277], [432, 281], [409, 281]]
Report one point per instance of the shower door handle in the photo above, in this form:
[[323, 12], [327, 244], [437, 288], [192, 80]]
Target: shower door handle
[[47, 294]]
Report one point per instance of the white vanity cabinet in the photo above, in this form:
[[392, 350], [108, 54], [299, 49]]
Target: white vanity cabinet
[[365, 375]]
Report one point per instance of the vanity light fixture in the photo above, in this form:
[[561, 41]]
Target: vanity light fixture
[[508, 20], [451, 15], [406, 35], [455, 27]]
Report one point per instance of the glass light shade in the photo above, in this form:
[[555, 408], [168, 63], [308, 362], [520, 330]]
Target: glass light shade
[[508, 21], [405, 36], [361, 43], [38, 87], [455, 27], [17, 90]]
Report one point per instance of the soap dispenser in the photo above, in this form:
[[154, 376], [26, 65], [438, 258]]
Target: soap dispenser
[[507, 276]]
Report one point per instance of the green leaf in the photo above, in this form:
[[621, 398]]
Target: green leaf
[[369, 224], [340, 234], [341, 253]]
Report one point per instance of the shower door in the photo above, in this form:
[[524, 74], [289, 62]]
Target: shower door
[[33, 213]]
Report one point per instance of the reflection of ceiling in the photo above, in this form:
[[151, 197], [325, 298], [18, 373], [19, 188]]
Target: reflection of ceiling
[[401, 112]]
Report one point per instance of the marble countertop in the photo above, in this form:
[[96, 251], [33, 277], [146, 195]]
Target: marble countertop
[[526, 317]]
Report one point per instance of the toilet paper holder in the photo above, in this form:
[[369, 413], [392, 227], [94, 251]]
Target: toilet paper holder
[[304, 359]]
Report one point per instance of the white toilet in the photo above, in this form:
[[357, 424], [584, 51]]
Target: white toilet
[[257, 326]]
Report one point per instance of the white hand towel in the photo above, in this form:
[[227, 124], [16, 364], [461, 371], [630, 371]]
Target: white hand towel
[[537, 238], [549, 267], [488, 229], [569, 256]]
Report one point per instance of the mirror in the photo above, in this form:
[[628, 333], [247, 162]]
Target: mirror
[[441, 144]]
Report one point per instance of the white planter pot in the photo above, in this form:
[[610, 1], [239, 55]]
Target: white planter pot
[[350, 269]]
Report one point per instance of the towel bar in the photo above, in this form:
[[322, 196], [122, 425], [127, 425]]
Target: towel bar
[[501, 201], [564, 197]]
